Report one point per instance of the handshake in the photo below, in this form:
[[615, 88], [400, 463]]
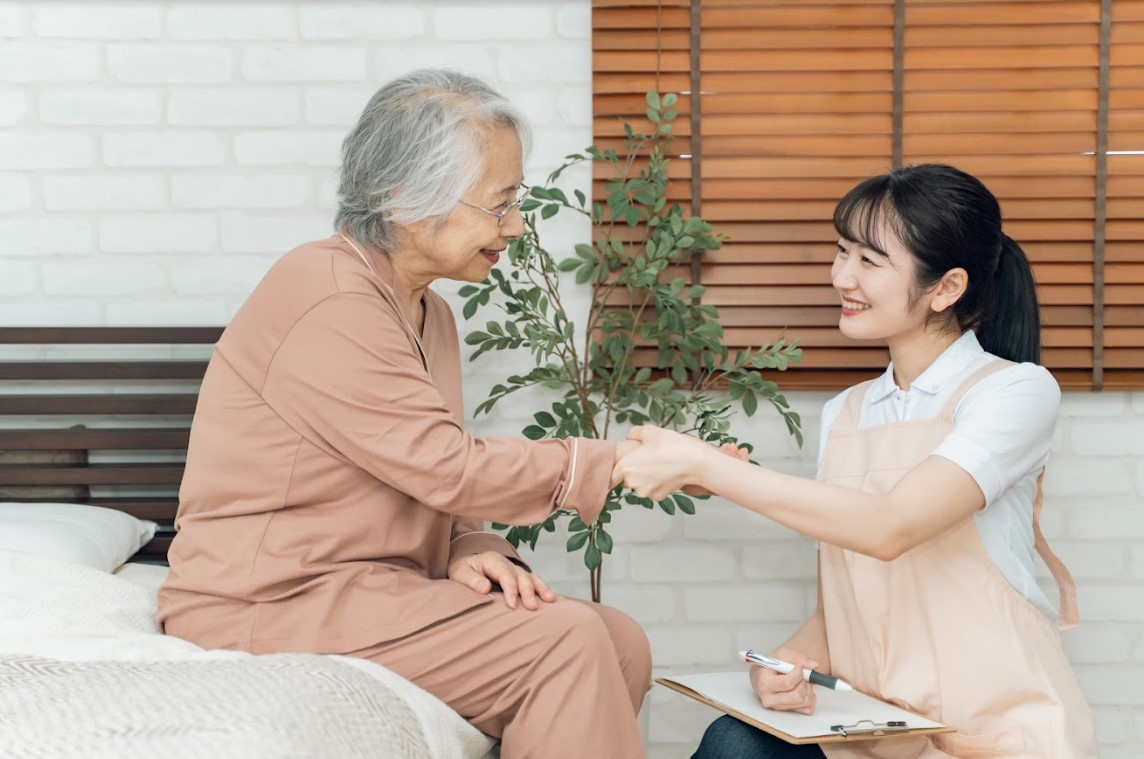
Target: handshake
[[655, 462]]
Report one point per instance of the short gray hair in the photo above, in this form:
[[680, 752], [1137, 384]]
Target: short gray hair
[[416, 150]]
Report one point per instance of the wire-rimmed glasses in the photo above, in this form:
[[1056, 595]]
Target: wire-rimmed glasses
[[499, 215]]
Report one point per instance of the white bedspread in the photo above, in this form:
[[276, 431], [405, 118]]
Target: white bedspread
[[84, 672]]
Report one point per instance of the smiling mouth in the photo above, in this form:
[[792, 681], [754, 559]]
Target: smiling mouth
[[854, 307], [491, 255]]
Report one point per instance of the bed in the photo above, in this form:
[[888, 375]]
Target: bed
[[93, 432]]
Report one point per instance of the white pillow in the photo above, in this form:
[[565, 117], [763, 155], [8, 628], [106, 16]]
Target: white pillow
[[91, 535]]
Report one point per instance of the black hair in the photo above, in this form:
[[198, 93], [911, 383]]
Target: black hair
[[948, 219]]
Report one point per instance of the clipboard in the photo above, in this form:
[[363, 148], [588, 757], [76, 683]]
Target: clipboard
[[840, 716]]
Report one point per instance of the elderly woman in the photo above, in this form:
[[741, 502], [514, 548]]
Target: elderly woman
[[333, 500]]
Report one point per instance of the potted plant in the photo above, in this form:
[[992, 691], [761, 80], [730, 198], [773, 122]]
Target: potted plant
[[650, 351]]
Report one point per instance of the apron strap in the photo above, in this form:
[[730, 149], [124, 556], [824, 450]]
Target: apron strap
[[969, 382], [1069, 615], [847, 420]]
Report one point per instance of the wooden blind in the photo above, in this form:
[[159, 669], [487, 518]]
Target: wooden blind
[[801, 100], [1124, 249]]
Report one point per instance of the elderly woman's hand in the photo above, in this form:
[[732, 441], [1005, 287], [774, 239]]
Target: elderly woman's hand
[[480, 570]]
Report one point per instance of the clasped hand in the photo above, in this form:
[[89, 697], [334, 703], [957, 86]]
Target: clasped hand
[[665, 461]]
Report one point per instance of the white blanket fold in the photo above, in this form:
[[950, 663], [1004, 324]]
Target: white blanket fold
[[85, 673]]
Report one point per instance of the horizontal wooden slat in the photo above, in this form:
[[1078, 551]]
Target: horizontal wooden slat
[[999, 122], [992, 14], [780, 61], [1002, 35], [107, 403], [987, 80], [101, 370], [1128, 315], [796, 15], [1056, 56], [108, 335], [93, 474], [795, 38], [157, 508], [94, 439], [1051, 102]]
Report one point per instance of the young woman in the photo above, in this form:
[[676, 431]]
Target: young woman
[[927, 494]]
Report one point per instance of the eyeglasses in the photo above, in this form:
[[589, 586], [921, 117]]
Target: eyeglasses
[[499, 215]]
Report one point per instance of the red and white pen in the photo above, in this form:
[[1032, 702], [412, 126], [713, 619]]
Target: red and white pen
[[785, 667]]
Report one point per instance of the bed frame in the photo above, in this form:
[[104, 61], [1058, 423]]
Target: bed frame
[[100, 428]]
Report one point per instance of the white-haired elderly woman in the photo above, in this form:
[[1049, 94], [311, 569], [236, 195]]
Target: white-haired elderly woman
[[333, 499]]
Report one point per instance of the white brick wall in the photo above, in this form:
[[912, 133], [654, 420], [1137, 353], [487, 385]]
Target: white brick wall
[[156, 157]]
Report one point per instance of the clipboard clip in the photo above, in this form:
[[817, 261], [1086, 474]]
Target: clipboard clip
[[869, 727]]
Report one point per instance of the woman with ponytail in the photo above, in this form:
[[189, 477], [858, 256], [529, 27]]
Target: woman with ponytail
[[928, 491]]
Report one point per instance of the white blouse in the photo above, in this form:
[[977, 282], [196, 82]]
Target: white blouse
[[1002, 435]]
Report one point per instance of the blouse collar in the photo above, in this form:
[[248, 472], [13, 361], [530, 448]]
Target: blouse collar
[[944, 369]]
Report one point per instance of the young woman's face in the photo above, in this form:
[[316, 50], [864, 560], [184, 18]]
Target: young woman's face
[[876, 290]]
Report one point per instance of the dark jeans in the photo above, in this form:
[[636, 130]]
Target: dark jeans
[[728, 738]]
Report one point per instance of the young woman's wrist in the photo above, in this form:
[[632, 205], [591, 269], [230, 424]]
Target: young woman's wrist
[[705, 467]]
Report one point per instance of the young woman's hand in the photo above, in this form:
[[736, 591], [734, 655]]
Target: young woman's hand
[[789, 692], [480, 570], [667, 461], [664, 462]]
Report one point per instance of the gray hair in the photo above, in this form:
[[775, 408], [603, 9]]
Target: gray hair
[[416, 150]]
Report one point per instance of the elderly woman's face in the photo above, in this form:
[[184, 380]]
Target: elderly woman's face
[[470, 240]]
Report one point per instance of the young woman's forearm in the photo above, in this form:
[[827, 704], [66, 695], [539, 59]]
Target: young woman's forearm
[[840, 516], [931, 498]]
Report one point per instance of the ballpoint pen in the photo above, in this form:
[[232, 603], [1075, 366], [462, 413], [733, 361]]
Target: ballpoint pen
[[785, 667]]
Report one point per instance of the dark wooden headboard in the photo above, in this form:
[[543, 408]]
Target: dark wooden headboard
[[100, 415]]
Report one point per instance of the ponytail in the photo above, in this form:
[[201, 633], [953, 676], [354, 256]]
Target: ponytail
[[1011, 328]]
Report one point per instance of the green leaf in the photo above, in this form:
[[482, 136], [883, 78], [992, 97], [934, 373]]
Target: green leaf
[[544, 419], [577, 541], [532, 432], [470, 308], [686, 505], [604, 541], [548, 211], [592, 557], [652, 98], [750, 403]]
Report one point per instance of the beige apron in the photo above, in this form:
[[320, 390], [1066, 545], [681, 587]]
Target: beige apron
[[939, 630]]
